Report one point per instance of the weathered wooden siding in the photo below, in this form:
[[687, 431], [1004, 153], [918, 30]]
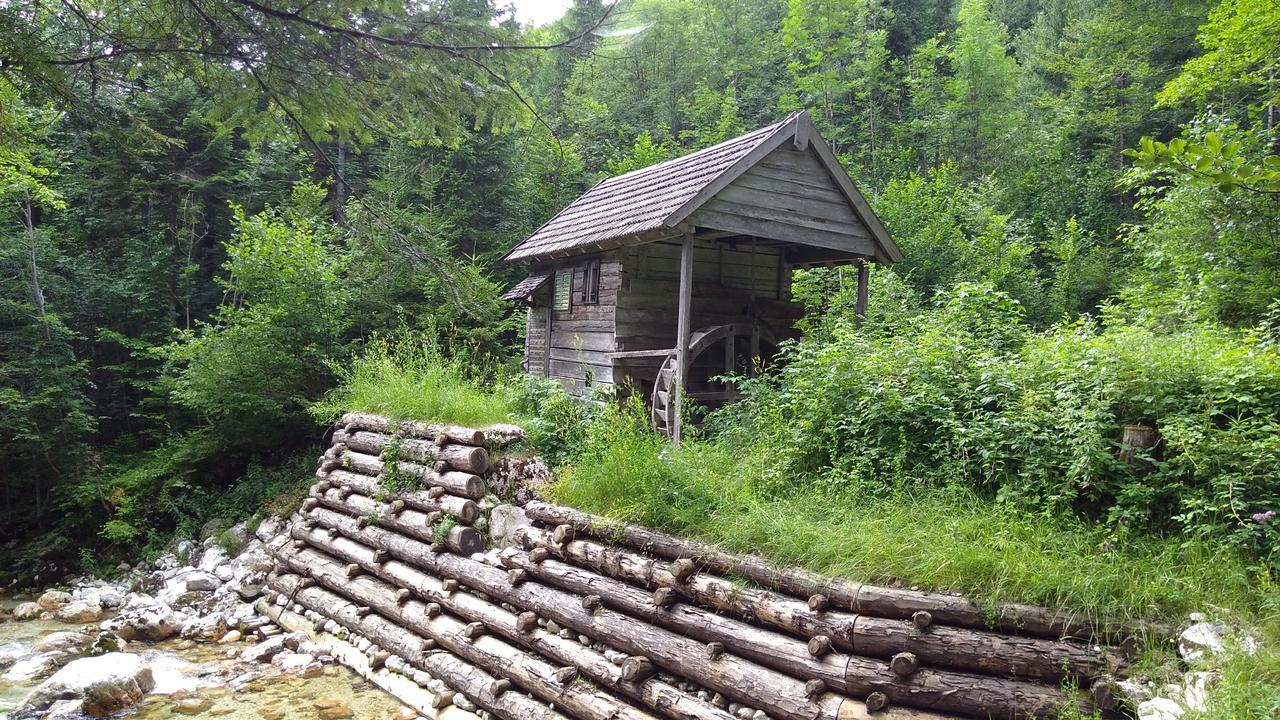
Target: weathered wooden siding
[[788, 196], [730, 285], [582, 336]]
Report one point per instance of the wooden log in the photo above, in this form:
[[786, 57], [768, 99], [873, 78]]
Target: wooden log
[[462, 539], [454, 671], [490, 653], [863, 598], [938, 690], [462, 484], [430, 431], [467, 458], [521, 628], [968, 650], [461, 508], [776, 693]]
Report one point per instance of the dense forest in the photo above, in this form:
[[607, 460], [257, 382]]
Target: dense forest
[[212, 206]]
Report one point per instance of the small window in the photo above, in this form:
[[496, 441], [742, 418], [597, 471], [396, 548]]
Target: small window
[[564, 290], [589, 291]]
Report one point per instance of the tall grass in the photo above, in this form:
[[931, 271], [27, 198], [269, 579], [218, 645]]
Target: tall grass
[[943, 538], [411, 380]]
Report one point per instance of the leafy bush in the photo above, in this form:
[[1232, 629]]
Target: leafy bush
[[1034, 418], [407, 379]]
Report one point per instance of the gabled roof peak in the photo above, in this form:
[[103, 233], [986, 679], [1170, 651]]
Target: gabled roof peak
[[660, 197]]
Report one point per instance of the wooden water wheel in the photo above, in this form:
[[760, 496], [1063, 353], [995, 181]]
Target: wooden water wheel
[[662, 402]]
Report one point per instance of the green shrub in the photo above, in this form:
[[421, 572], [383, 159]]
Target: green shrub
[[969, 395], [408, 379]]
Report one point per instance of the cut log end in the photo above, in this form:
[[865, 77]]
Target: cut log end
[[433, 609], [403, 595], [814, 688], [352, 570], [663, 597], [363, 611], [638, 668], [565, 675], [435, 493], [450, 585], [922, 618], [562, 534], [442, 700], [473, 630], [591, 603], [714, 650], [683, 569], [396, 507], [904, 664], [499, 686], [877, 701], [819, 645], [819, 602], [537, 555], [517, 576]]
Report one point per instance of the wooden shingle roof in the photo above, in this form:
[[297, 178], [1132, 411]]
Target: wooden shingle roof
[[527, 286], [658, 198]]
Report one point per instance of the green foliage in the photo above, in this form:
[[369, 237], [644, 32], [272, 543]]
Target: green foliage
[[1239, 63], [554, 420], [939, 537], [1035, 418], [254, 366], [410, 380], [1215, 162]]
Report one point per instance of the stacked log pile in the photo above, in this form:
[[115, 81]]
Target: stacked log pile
[[587, 619]]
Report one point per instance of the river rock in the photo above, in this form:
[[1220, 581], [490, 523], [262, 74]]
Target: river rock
[[1160, 708], [201, 581], [301, 664], [106, 684], [27, 611], [145, 619], [63, 640], [264, 651], [53, 599], [1201, 640], [192, 705], [329, 709], [25, 671], [79, 611]]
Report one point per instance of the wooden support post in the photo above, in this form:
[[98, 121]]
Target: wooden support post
[[863, 273], [546, 350], [682, 333]]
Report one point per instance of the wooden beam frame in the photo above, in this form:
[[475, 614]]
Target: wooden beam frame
[[863, 290], [682, 333]]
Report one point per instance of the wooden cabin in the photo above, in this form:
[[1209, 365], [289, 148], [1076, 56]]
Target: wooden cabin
[[666, 277]]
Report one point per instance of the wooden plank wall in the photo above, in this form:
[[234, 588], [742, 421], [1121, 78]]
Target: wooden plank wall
[[730, 284], [789, 196], [582, 336]]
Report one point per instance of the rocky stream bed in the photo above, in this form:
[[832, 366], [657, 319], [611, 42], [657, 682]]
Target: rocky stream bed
[[175, 639]]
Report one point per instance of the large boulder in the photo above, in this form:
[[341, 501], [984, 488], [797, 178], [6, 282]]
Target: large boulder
[[201, 581], [145, 619], [51, 600], [105, 684], [79, 611], [25, 671], [63, 640], [27, 611]]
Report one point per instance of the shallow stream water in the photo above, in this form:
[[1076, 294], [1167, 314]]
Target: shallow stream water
[[191, 682]]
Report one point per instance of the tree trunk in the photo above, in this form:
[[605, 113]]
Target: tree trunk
[[746, 682], [495, 656], [468, 458], [869, 599], [941, 646], [459, 483], [461, 508], [455, 672], [653, 693], [461, 539], [426, 431], [938, 690]]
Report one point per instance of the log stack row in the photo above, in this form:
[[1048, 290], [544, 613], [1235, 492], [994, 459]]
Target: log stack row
[[588, 619]]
